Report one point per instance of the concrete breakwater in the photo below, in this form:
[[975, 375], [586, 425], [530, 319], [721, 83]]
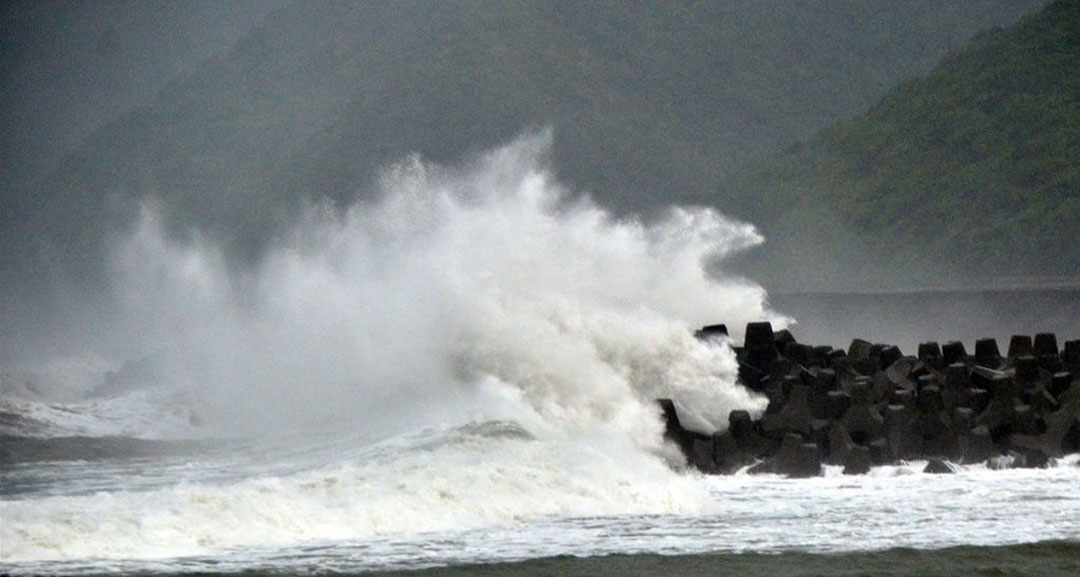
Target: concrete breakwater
[[871, 405]]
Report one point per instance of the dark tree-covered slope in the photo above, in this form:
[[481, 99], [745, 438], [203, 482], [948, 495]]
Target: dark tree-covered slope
[[971, 172]]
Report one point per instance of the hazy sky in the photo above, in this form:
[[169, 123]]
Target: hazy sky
[[69, 67]]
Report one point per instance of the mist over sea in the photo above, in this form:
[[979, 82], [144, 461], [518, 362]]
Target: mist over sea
[[461, 370]]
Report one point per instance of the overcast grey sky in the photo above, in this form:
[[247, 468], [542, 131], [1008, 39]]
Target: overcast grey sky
[[69, 67]]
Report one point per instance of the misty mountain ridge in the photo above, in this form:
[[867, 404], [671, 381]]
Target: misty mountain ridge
[[69, 68], [649, 104], [967, 175]]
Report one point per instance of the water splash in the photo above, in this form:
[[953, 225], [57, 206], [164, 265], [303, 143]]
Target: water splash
[[457, 304], [454, 293]]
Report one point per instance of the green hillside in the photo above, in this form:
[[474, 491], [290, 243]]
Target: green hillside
[[649, 103], [969, 173]]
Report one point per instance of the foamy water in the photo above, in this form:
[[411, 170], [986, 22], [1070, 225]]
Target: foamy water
[[463, 368], [493, 491], [453, 295]]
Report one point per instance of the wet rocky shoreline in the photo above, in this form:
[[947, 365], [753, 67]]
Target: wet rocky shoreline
[[871, 404]]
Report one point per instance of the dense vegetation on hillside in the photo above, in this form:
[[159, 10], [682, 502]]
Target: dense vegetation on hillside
[[648, 102], [972, 172]]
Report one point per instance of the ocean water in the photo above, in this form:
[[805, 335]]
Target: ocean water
[[907, 318], [483, 493], [1049, 559], [459, 373]]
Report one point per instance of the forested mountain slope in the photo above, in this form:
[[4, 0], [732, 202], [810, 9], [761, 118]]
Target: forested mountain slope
[[969, 174]]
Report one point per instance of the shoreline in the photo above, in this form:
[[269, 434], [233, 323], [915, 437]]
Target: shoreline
[[1042, 558]]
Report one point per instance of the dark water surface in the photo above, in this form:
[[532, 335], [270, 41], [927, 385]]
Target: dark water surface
[[908, 318], [1048, 558], [109, 477]]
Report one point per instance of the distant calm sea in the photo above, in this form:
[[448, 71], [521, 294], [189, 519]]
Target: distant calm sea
[[908, 318]]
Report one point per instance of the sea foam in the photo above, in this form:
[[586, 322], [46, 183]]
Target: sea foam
[[478, 294], [451, 293]]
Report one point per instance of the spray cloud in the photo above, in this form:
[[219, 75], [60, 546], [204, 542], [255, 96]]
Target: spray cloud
[[479, 292]]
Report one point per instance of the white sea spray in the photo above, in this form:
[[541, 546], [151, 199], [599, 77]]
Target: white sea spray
[[454, 297]]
